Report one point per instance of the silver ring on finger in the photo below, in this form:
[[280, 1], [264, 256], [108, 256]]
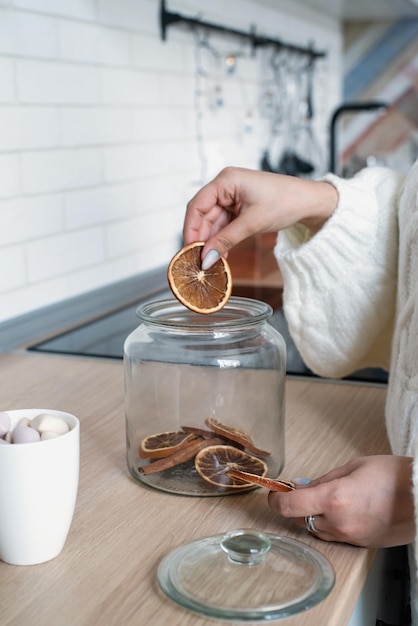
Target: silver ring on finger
[[310, 524]]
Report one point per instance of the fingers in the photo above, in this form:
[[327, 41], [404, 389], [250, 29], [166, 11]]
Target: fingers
[[367, 502], [232, 234], [323, 529], [203, 221], [211, 214], [338, 472], [320, 527], [261, 202], [318, 496], [220, 234], [310, 500], [210, 209], [311, 523]]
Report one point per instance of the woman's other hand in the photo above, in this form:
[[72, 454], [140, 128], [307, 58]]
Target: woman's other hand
[[367, 502]]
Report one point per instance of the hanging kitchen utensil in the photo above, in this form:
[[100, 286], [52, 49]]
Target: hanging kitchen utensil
[[313, 147], [265, 164], [291, 164], [291, 130], [302, 138], [278, 110]]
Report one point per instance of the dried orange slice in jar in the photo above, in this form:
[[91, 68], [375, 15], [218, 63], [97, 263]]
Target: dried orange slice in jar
[[234, 434], [201, 291], [161, 445], [214, 462], [262, 481]]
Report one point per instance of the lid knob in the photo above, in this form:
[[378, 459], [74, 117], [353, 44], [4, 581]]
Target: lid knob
[[246, 546]]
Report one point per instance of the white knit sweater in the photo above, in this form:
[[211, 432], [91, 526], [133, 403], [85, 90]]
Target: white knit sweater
[[351, 297]]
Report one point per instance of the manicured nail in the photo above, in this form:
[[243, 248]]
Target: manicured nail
[[211, 258], [302, 481]]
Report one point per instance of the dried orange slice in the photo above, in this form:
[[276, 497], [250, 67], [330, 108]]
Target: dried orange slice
[[213, 463], [262, 481], [201, 291], [234, 434], [207, 434], [161, 445]]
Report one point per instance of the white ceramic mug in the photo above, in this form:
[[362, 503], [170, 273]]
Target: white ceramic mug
[[38, 492]]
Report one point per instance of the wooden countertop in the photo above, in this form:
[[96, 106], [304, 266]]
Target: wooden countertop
[[106, 573]]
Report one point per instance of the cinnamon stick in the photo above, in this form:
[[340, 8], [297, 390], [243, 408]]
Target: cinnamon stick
[[180, 456]]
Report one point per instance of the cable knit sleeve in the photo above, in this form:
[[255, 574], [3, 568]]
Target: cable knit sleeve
[[340, 284]]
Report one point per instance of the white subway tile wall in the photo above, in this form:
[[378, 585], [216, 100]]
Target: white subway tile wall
[[106, 131]]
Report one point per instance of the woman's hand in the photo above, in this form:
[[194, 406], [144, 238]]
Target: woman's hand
[[367, 502], [239, 203]]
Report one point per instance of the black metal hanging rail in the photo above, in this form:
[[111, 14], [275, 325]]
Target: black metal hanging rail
[[167, 18]]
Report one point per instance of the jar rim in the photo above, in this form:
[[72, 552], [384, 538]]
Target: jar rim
[[238, 312]]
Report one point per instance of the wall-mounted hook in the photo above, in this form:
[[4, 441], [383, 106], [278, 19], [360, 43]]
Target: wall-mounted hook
[[167, 18]]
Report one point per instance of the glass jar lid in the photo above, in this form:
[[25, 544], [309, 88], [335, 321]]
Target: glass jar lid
[[246, 575]]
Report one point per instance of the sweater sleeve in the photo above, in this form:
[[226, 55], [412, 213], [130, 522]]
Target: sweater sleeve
[[340, 284]]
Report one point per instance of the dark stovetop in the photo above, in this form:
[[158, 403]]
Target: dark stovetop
[[104, 336]]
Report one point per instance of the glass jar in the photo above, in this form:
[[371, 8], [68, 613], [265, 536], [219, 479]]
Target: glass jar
[[185, 372]]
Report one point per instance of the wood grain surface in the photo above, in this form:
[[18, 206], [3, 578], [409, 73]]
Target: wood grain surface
[[106, 573]]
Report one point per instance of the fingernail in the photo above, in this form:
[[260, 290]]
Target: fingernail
[[211, 258], [302, 481]]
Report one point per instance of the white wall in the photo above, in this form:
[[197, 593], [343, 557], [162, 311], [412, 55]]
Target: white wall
[[98, 145]]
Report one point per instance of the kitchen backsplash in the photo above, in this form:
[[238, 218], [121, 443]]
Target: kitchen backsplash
[[106, 131]]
